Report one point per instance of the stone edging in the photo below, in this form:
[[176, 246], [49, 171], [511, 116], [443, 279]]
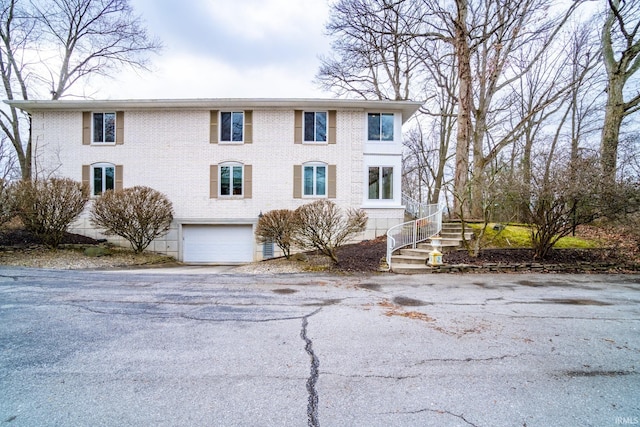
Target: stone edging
[[532, 267]]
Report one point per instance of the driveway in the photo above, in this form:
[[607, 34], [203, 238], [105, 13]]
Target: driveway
[[81, 348]]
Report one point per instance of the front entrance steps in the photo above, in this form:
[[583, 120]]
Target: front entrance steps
[[414, 260]]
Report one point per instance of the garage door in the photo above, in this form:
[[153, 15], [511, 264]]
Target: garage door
[[217, 244]]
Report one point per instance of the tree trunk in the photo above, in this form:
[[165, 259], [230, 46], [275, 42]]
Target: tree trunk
[[613, 115], [463, 56]]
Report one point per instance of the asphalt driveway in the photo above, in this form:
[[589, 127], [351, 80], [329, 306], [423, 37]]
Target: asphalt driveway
[[113, 349]]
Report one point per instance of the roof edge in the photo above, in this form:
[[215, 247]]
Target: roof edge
[[408, 108]]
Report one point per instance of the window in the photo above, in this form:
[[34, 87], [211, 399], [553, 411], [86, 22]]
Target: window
[[380, 126], [103, 178], [380, 183], [104, 127], [314, 180], [315, 127], [231, 126], [231, 180]]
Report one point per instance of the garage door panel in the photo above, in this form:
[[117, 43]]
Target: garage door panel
[[217, 243]]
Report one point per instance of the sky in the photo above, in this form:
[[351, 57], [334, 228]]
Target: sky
[[227, 49]]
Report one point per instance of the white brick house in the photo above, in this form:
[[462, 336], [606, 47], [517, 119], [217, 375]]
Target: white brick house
[[222, 162]]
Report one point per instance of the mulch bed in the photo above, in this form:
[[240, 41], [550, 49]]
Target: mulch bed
[[21, 238], [367, 255]]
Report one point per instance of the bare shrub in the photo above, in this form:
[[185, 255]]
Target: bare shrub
[[560, 202], [7, 202], [278, 226], [138, 214], [47, 207], [322, 225]]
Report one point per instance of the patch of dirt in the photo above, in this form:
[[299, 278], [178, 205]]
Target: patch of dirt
[[18, 237]]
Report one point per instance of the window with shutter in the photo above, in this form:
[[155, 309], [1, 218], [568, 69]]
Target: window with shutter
[[101, 177], [231, 180]]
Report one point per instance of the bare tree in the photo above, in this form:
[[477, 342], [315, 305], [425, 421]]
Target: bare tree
[[465, 49], [138, 214], [571, 196], [621, 55], [53, 45], [499, 30], [46, 208], [278, 226], [374, 48], [322, 225]]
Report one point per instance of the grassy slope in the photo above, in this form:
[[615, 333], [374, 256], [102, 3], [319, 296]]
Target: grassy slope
[[519, 236]]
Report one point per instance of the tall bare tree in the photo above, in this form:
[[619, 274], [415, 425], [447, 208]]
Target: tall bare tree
[[374, 48], [621, 55], [379, 41], [51, 45], [497, 30]]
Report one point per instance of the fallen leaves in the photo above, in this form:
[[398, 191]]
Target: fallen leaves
[[396, 310]]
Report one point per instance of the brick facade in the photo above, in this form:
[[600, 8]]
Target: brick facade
[[167, 147]]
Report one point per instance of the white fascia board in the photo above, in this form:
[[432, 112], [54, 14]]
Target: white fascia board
[[407, 108]]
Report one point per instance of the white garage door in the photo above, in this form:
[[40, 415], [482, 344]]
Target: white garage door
[[217, 244]]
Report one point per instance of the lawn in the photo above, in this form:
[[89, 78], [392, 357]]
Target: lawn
[[519, 236]]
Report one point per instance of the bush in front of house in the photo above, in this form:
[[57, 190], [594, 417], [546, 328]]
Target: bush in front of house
[[322, 225], [138, 214], [279, 227], [7, 202], [48, 207]]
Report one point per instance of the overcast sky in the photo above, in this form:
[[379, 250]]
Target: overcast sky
[[222, 48]]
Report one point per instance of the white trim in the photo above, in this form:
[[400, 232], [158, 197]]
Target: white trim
[[326, 128], [115, 126], [231, 141], [326, 180], [102, 165], [231, 165], [407, 108]]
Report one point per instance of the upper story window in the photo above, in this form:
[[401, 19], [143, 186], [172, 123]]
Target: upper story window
[[104, 128], [315, 126], [380, 183], [231, 179], [314, 179], [380, 126], [232, 126], [103, 178]]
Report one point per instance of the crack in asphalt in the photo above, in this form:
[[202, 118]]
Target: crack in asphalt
[[312, 406], [383, 377], [439, 411], [181, 315], [472, 359]]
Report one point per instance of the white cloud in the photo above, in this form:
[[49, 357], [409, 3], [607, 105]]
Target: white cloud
[[188, 76], [217, 48]]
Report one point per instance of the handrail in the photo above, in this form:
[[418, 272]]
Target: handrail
[[416, 208], [416, 231]]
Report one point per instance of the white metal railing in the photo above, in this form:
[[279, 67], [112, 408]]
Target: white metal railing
[[413, 232], [417, 209]]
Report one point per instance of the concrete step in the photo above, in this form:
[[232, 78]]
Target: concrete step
[[446, 234], [444, 243], [407, 259], [410, 269], [418, 252]]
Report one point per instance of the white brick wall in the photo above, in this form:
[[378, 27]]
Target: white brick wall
[[170, 152]]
